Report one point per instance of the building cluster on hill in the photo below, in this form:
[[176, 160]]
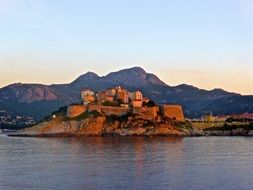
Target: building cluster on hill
[[117, 96], [119, 101]]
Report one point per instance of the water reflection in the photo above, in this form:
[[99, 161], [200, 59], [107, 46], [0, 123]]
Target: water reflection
[[126, 163]]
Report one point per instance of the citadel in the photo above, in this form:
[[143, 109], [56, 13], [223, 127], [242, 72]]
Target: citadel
[[119, 102]]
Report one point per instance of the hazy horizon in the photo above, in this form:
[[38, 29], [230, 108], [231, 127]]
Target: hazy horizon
[[207, 44]]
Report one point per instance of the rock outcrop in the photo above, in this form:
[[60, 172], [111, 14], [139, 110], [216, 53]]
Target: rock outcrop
[[130, 125]]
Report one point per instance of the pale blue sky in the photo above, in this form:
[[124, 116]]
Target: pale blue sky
[[205, 43]]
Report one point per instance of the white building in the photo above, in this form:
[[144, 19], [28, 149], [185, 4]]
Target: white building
[[87, 92], [137, 98], [88, 96]]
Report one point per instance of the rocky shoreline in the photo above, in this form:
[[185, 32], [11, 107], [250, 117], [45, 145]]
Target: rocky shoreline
[[130, 125]]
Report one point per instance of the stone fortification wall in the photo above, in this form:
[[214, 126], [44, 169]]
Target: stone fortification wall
[[173, 112], [147, 113], [109, 110], [75, 110], [94, 108], [119, 111]]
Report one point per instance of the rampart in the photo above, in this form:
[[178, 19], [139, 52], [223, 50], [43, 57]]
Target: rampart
[[149, 113], [110, 110], [75, 110], [173, 112], [94, 108]]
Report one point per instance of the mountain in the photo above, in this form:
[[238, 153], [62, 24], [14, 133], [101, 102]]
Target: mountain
[[30, 99], [39, 100], [27, 93], [135, 77]]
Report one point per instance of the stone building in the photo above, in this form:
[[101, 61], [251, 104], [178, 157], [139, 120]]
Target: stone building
[[111, 92], [122, 96], [136, 98], [209, 118], [102, 97], [88, 96]]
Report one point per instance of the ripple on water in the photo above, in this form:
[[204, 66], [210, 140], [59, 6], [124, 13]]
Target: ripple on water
[[126, 163]]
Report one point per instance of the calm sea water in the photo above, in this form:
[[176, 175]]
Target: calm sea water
[[216, 163]]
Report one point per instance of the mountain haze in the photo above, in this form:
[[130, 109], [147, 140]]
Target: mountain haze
[[39, 100]]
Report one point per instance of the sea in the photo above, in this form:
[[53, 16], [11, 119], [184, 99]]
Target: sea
[[196, 163]]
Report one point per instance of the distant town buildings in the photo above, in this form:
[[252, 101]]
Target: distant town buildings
[[222, 118], [209, 118], [243, 116], [8, 120]]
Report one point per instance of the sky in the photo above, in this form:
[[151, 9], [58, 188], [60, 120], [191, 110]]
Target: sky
[[208, 44]]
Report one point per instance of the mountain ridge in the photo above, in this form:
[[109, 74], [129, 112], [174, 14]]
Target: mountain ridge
[[195, 101]]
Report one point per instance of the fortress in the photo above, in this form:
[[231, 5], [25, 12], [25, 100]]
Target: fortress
[[119, 102]]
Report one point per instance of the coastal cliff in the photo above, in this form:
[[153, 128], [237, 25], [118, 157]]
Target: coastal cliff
[[99, 125]]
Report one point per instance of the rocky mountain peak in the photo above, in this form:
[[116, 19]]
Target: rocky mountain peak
[[90, 74], [135, 76], [87, 77], [134, 71]]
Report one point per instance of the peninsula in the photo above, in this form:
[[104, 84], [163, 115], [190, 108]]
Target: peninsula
[[114, 112]]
